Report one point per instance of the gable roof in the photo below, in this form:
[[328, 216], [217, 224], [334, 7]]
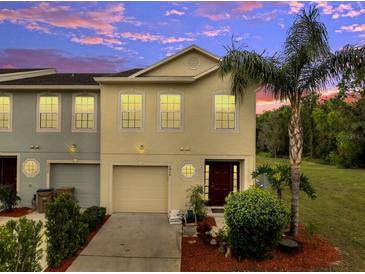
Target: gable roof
[[169, 58], [16, 70]]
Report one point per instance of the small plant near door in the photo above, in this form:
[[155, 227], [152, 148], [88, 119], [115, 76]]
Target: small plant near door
[[197, 202], [8, 197]]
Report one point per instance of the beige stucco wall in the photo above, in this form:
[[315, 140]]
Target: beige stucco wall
[[179, 66], [163, 148]]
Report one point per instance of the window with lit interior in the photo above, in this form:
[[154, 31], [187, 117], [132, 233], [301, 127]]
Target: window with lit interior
[[48, 112], [131, 111], [225, 111], [188, 171], [170, 111], [5, 112], [84, 116]]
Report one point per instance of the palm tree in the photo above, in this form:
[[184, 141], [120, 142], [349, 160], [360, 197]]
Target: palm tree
[[306, 65]]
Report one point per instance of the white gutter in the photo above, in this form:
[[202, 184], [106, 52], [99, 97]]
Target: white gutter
[[25, 74]]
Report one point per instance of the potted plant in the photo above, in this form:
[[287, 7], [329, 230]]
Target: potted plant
[[8, 197]]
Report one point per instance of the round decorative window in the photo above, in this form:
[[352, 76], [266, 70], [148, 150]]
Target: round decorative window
[[193, 62], [30, 167], [188, 171]]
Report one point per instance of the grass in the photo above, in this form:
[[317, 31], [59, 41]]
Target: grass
[[338, 211]]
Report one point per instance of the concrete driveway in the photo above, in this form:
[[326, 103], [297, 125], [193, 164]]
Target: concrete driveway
[[133, 242]]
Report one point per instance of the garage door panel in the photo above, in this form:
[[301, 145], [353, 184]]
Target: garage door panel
[[83, 177], [140, 189]]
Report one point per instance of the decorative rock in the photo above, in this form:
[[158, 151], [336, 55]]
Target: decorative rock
[[213, 242], [288, 246], [222, 249], [228, 252]]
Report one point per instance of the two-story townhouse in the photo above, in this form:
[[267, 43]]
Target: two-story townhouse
[[170, 126], [155, 132], [49, 133]]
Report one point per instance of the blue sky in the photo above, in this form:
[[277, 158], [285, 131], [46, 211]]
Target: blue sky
[[113, 36]]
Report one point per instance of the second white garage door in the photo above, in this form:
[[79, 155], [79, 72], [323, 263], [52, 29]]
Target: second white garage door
[[140, 189]]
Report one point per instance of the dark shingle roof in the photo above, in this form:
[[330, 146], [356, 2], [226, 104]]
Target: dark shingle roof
[[58, 79], [125, 73], [14, 70], [67, 78]]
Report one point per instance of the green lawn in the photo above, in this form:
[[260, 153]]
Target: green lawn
[[339, 210]]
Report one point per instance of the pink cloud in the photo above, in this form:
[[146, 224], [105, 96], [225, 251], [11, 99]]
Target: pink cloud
[[248, 6], [295, 6], [50, 58], [217, 11], [173, 11], [213, 32], [352, 28], [102, 20], [342, 10], [97, 40], [148, 37]]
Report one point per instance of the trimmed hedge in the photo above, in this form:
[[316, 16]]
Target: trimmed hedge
[[255, 221], [20, 243], [64, 229], [93, 216]]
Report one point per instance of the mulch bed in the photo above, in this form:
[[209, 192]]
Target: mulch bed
[[318, 255], [16, 212], [67, 262]]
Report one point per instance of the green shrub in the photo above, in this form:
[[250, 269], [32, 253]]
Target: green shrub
[[64, 229], [255, 221], [8, 197], [197, 202], [20, 243], [93, 216]]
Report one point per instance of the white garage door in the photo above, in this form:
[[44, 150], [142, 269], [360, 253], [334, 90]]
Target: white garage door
[[140, 189]]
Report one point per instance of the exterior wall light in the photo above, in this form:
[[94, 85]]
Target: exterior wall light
[[141, 149], [72, 148]]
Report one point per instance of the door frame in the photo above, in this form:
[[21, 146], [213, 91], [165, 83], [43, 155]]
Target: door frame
[[75, 161], [231, 179], [17, 155], [139, 164]]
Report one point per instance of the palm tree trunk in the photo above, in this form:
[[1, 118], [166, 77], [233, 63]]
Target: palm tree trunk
[[295, 151]]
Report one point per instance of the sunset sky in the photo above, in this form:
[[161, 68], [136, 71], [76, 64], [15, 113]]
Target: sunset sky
[[114, 36]]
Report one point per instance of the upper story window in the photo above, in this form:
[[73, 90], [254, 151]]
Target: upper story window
[[84, 116], [5, 113], [131, 111], [225, 112], [49, 113], [170, 111]]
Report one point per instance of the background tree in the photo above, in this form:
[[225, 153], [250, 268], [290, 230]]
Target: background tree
[[272, 131], [305, 66]]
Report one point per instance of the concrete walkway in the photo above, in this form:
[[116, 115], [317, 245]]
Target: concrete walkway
[[133, 242]]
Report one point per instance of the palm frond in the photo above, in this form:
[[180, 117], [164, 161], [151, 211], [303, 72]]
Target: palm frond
[[349, 60], [306, 42], [247, 67]]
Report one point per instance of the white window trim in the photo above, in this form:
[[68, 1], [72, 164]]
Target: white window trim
[[196, 174], [85, 130], [236, 117], [37, 171], [119, 119], [182, 110], [10, 128], [58, 129]]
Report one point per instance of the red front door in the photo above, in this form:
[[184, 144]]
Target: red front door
[[221, 181], [8, 171]]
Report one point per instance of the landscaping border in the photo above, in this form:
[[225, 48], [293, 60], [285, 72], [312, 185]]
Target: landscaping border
[[65, 264]]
